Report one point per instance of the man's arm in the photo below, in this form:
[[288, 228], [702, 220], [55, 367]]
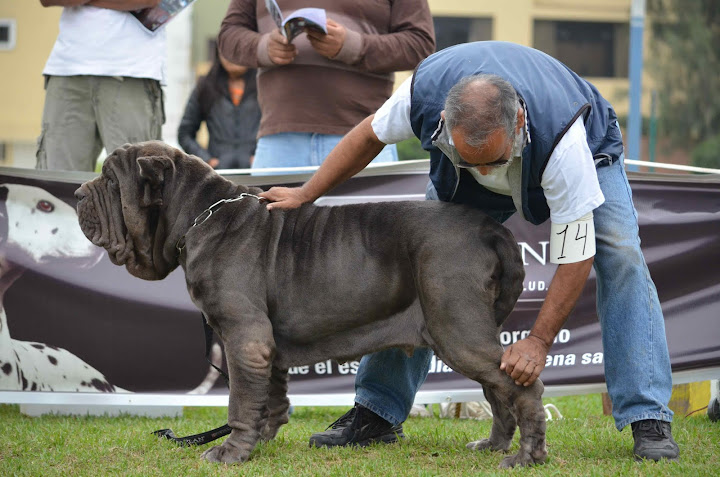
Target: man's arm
[[238, 38], [410, 40], [350, 156], [570, 164], [524, 360]]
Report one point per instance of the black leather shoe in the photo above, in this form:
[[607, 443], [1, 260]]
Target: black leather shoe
[[654, 441], [358, 427]]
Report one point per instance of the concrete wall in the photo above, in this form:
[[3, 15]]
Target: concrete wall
[[21, 82]]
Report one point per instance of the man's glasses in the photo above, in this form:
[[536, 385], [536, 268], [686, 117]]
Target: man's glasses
[[462, 163]]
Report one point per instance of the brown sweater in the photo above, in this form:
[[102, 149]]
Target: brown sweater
[[328, 96]]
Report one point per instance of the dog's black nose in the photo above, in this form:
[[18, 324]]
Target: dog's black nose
[[79, 194]]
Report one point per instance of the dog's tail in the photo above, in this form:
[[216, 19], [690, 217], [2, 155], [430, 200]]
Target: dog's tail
[[511, 274]]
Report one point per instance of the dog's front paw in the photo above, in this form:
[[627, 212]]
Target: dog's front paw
[[272, 427], [487, 444], [268, 433], [225, 454], [520, 459]]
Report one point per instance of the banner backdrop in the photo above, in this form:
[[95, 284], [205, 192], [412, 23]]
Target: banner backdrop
[[146, 337]]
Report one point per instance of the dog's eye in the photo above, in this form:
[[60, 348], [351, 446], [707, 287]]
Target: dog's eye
[[45, 206]]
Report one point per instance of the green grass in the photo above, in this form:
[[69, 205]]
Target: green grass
[[584, 443]]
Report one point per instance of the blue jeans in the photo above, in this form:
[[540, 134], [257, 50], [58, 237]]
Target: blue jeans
[[302, 149], [637, 362]]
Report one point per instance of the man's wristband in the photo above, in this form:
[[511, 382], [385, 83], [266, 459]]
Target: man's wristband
[[541, 340]]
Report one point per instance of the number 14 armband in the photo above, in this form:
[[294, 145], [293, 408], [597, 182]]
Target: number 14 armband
[[573, 242]]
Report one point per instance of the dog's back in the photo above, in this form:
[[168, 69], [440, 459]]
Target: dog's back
[[344, 268]]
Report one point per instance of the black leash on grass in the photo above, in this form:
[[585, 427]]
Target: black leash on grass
[[211, 435]]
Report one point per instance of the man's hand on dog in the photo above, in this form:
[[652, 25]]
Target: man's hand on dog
[[284, 197], [523, 361]]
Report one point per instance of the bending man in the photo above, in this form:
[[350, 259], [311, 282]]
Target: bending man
[[511, 129]]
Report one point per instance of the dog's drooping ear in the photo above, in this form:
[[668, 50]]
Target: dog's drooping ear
[[152, 171]]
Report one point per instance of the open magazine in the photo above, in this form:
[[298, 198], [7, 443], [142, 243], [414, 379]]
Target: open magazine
[[298, 20], [153, 18]]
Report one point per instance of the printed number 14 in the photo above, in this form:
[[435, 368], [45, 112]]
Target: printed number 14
[[578, 237]]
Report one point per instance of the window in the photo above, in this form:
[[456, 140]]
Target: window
[[588, 48], [451, 31], [7, 34]]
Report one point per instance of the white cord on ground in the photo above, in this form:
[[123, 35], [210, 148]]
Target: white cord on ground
[[478, 410], [548, 413]]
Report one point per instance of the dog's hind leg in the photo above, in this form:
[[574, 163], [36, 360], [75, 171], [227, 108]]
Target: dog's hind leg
[[464, 335], [250, 350], [276, 411], [510, 404], [503, 426], [526, 403]]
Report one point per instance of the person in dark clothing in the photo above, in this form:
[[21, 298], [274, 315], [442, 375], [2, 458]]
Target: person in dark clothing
[[226, 99]]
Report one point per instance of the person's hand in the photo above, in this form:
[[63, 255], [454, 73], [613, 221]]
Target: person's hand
[[284, 197], [330, 44], [524, 360], [214, 162], [280, 51]]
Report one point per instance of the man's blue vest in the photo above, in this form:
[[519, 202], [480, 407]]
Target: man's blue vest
[[554, 98]]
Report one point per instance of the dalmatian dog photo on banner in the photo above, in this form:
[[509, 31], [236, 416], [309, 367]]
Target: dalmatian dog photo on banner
[[72, 322]]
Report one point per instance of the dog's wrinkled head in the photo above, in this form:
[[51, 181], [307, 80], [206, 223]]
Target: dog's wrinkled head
[[124, 210]]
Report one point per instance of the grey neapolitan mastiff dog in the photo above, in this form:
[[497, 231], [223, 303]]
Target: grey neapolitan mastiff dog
[[293, 287]]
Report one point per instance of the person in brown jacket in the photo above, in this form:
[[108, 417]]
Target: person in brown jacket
[[315, 89]]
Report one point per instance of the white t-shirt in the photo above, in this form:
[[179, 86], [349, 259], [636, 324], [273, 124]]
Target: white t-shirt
[[103, 42], [569, 181]]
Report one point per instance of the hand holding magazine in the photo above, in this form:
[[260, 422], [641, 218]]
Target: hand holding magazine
[[297, 21], [153, 18]]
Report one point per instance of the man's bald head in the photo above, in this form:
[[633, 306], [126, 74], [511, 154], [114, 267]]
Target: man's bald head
[[480, 105]]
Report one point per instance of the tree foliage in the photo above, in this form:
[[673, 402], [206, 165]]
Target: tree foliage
[[684, 61], [707, 153], [411, 149]]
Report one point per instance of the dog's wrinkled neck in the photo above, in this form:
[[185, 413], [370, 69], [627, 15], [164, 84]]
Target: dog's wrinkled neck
[[188, 200]]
